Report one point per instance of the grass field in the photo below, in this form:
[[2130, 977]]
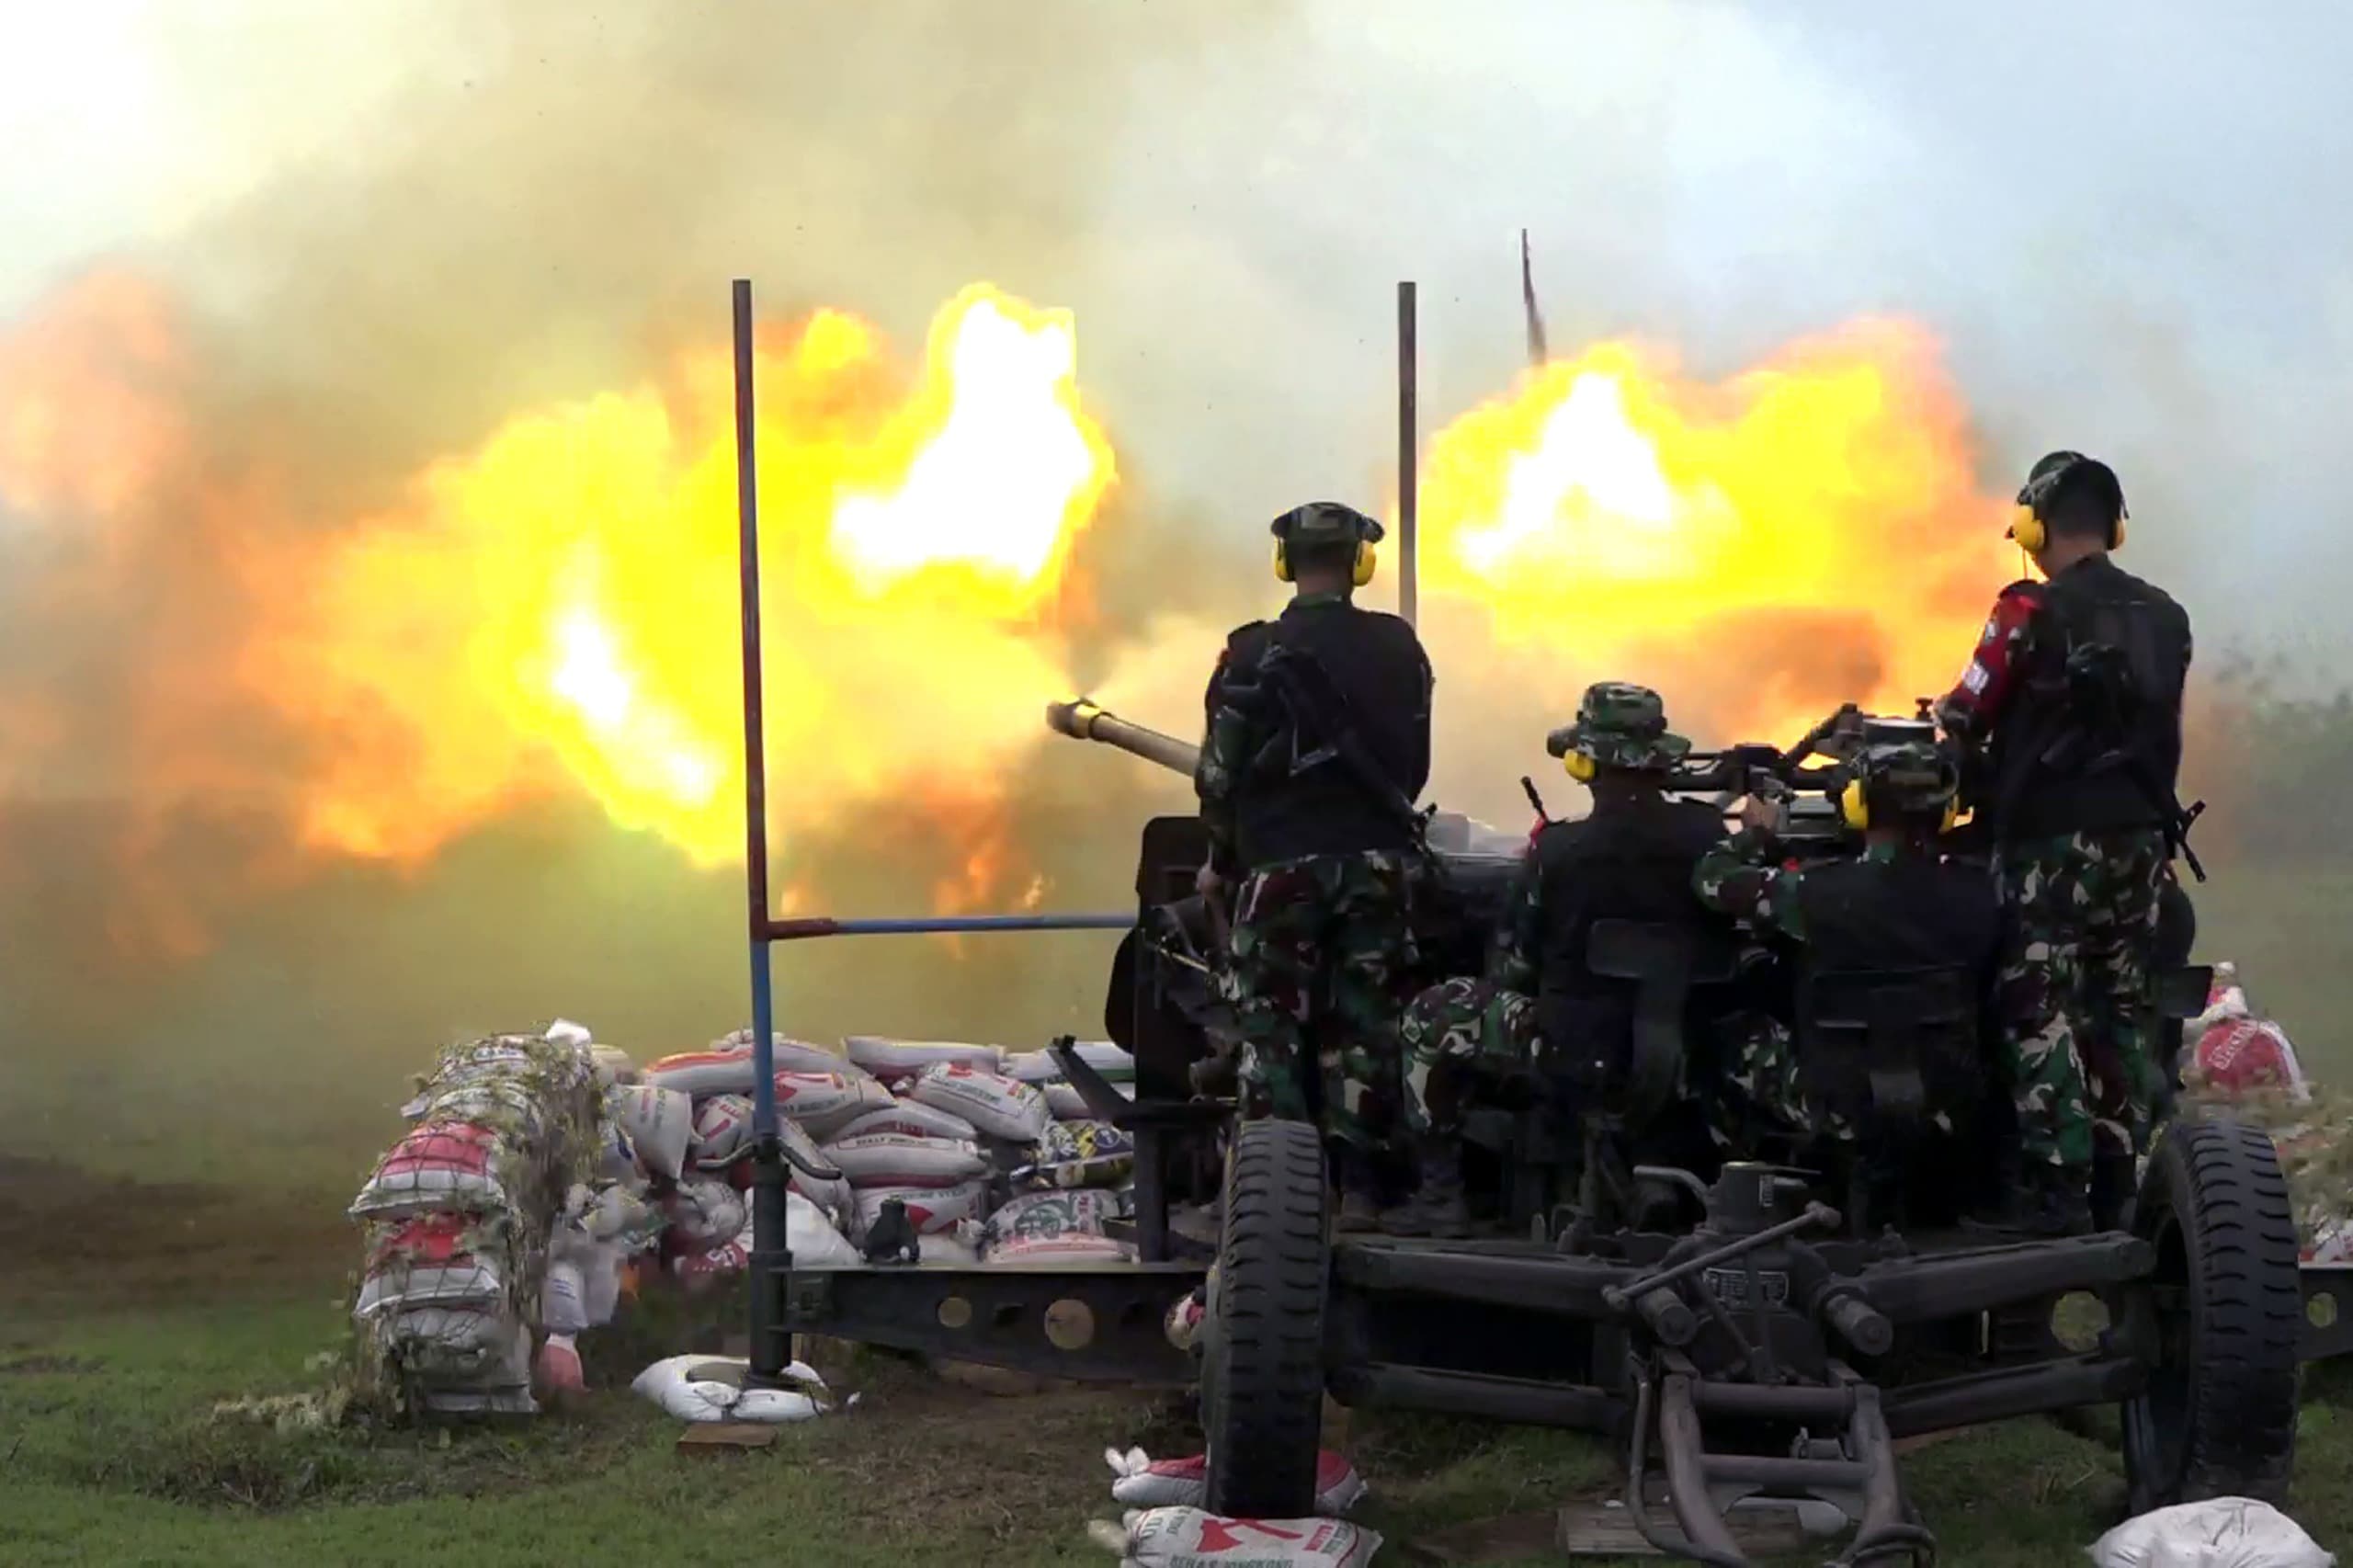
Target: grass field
[[127, 1311]]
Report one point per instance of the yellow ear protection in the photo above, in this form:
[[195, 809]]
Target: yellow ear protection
[[1359, 568], [2026, 526], [1579, 767], [1855, 807]]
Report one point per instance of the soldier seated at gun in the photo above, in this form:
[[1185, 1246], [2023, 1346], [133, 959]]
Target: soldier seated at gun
[[1898, 906], [1631, 858]]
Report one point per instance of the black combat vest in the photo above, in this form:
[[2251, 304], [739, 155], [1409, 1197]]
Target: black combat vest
[[1909, 911], [2055, 770], [1631, 860], [1377, 663]]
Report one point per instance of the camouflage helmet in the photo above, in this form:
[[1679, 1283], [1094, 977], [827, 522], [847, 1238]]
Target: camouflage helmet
[[1909, 778], [1622, 726], [1326, 522]]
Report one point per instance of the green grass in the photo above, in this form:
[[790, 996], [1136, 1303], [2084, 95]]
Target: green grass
[[129, 1309]]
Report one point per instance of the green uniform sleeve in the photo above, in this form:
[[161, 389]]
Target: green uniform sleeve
[[1224, 740], [1513, 963], [1737, 877]]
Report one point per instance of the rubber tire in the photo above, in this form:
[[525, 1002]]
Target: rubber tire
[[1262, 1377], [2224, 1424]]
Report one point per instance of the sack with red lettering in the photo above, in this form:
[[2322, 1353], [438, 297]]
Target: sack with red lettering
[[437, 1168], [821, 1102], [892, 1159], [2242, 1055], [998, 1106], [660, 1125], [723, 1130], [1056, 1252], [908, 1118], [429, 1262], [1187, 1537], [726, 1067], [895, 1060], [1146, 1483], [704, 1214], [928, 1211]]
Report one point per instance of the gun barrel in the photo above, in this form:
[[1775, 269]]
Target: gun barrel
[[1083, 720]]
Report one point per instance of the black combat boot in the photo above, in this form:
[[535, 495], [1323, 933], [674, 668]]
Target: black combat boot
[[1436, 1207], [2114, 1179], [1356, 1190]]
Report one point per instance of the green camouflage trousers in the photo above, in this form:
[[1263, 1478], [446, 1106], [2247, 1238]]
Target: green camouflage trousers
[[1757, 1095], [1448, 1033], [1321, 949], [2078, 1003]]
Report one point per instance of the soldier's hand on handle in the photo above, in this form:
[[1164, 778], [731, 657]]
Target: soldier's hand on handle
[[1207, 882], [1761, 812]]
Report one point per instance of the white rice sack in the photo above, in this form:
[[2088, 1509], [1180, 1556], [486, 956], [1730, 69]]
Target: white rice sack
[[927, 1210], [660, 1124], [909, 1118], [1055, 1251], [892, 1159], [601, 1283], [564, 1031], [613, 1064], [895, 1059], [814, 1242], [832, 1194], [1142, 1482], [564, 1297], [1042, 1216], [461, 1346], [2225, 1532], [705, 1214], [821, 1102], [995, 1105], [723, 1130], [427, 1262], [1187, 1537], [435, 1169], [711, 1388], [480, 1401], [1039, 1067], [726, 1067]]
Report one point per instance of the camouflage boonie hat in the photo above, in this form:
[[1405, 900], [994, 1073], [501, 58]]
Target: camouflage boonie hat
[[1326, 522], [1619, 725], [1910, 777]]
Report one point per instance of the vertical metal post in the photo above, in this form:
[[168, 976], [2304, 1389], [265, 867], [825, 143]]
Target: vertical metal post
[[771, 1260], [1408, 443]]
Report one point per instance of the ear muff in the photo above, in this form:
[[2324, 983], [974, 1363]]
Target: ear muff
[[1953, 815], [2116, 534], [1852, 808], [1361, 569], [1580, 767], [2028, 529], [1282, 562]]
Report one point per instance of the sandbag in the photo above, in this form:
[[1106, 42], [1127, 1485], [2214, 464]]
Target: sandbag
[[2242, 1055], [726, 1067], [814, 1242], [892, 1159], [1187, 1537], [895, 1060], [834, 1193], [723, 1130], [1110, 1063], [435, 1169], [909, 1118], [564, 1297], [954, 1248], [711, 1388], [1141, 1481], [558, 1371], [659, 1122], [516, 1401], [1039, 1216], [995, 1105], [2225, 1532], [613, 1064], [1072, 1248], [475, 1347], [1079, 1153], [821, 1102], [705, 1214], [427, 1262], [938, 1209]]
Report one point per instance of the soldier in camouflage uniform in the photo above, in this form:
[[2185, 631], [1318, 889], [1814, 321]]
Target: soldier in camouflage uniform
[[2074, 698], [1897, 906], [1317, 746]]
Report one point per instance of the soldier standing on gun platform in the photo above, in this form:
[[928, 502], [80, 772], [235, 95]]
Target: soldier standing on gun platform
[[1318, 744], [2074, 698]]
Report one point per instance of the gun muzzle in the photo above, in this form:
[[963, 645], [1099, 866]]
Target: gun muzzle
[[1084, 720]]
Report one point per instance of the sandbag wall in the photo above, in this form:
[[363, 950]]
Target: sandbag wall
[[543, 1175]]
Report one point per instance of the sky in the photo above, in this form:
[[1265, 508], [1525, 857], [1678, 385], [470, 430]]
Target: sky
[[2127, 222]]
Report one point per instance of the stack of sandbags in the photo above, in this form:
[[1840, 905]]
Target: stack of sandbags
[[1112, 1063], [1187, 1537], [460, 1213]]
